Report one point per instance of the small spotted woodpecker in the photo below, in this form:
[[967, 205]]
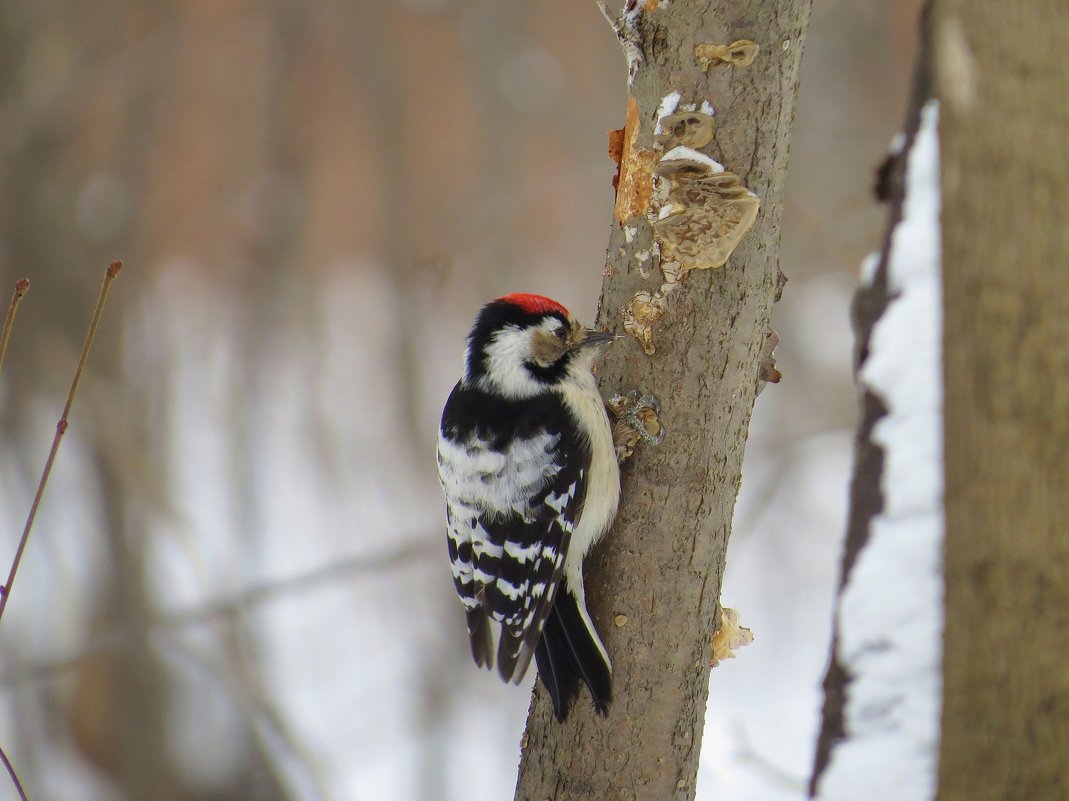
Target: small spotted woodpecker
[[531, 482]]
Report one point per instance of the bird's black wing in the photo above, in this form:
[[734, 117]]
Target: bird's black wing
[[514, 477]]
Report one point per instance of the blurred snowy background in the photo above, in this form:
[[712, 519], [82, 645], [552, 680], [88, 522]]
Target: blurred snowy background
[[237, 587]]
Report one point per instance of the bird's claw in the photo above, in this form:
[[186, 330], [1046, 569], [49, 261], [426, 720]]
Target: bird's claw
[[637, 420]]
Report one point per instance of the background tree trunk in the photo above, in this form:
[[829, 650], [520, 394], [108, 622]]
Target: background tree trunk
[[1005, 693], [867, 502], [654, 589], [1003, 85]]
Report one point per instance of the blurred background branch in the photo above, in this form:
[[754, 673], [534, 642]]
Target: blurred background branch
[[227, 611]]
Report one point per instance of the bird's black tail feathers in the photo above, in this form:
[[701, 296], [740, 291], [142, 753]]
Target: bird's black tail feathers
[[568, 653]]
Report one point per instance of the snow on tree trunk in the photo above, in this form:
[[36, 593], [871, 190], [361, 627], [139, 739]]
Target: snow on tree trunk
[[1003, 687], [888, 619]]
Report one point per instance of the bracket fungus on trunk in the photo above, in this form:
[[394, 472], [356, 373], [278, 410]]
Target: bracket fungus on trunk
[[705, 213], [698, 211], [692, 129], [740, 53]]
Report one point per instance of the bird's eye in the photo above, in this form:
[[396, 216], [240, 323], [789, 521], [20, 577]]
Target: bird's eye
[[562, 333]]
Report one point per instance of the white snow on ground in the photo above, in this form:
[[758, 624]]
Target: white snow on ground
[[891, 617]]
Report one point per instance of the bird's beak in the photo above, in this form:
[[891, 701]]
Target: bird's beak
[[595, 337]]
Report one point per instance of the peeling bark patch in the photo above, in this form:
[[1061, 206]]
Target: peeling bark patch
[[616, 153], [769, 374], [740, 53], [635, 185]]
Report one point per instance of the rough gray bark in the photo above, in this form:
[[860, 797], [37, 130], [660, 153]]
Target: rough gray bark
[[1002, 81], [654, 590]]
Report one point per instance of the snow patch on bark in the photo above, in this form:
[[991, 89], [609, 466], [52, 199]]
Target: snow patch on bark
[[667, 106], [682, 153], [891, 610]]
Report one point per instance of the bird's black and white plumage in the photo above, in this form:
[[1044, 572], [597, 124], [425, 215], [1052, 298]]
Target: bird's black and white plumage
[[531, 482]]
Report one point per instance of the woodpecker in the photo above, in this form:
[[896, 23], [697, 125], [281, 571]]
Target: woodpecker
[[531, 482]]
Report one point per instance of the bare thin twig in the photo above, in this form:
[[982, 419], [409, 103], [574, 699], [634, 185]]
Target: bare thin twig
[[61, 428], [609, 17], [13, 775], [626, 30], [22, 286]]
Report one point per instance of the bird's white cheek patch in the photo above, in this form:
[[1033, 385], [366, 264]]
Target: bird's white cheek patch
[[506, 353]]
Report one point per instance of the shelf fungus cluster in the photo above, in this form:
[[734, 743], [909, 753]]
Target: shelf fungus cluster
[[705, 213], [698, 210]]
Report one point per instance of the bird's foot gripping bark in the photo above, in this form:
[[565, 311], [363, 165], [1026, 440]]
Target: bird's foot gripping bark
[[637, 420]]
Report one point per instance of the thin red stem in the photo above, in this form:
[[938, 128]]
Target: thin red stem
[[22, 286], [61, 429], [14, 776]]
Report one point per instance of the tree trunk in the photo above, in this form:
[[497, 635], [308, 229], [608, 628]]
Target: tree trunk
[[866, 501], [654, 587], [1003, 84], [1005, 692]]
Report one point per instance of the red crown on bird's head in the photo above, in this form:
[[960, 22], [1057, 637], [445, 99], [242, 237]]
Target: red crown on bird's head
[[534, 304]]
